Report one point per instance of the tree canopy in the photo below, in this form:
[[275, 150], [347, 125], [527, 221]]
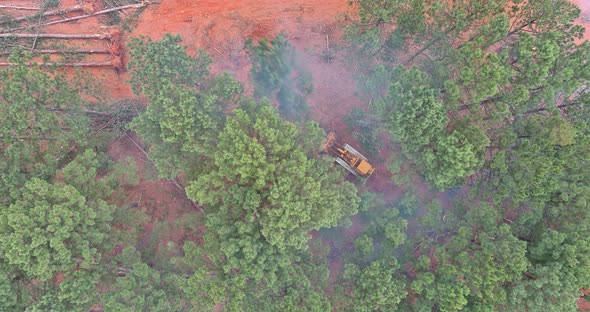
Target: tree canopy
[[479, 109], [278, 73], [491, 98], [254, 173], [39, 124]]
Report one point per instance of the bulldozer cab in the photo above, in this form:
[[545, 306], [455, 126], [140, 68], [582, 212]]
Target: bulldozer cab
[[348, 157]]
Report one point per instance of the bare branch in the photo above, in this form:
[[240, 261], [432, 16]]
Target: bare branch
[[45, 14], [79, 64], [63, 51], [16, 7]]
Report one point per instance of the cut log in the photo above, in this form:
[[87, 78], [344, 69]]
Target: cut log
[[85, 51], [58, 36], [45, 14], [138, 5], [27, 138], [79, 64], [84, 111], [16, 7]]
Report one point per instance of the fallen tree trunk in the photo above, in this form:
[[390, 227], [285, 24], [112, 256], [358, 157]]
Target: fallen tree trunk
[[79, 64], [85, 51], [174, 181], [138, 5], [45, 14], [84, 111], [59, 36], [16, 7], [27, 138]]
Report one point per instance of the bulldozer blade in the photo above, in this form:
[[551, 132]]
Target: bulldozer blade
[[345, 165]]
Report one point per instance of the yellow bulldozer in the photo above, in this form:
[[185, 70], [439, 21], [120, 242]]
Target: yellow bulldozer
[[347, 157]]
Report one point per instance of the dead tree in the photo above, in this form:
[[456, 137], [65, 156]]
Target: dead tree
[[78, 64], [137, 5], [45, 14], [17, 7], [64, 51], [58, 36]]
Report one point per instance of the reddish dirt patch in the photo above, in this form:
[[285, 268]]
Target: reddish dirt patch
[[162, 200], [108, 76], [60, 277], [584, 19], [221, 28], [583, 304]]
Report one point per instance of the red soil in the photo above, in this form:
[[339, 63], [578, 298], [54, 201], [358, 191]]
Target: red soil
[[221, 28], [584, 19], [583, 304], [161, 200]]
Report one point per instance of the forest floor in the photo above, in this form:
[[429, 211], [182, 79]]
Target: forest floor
[[221, 28]]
